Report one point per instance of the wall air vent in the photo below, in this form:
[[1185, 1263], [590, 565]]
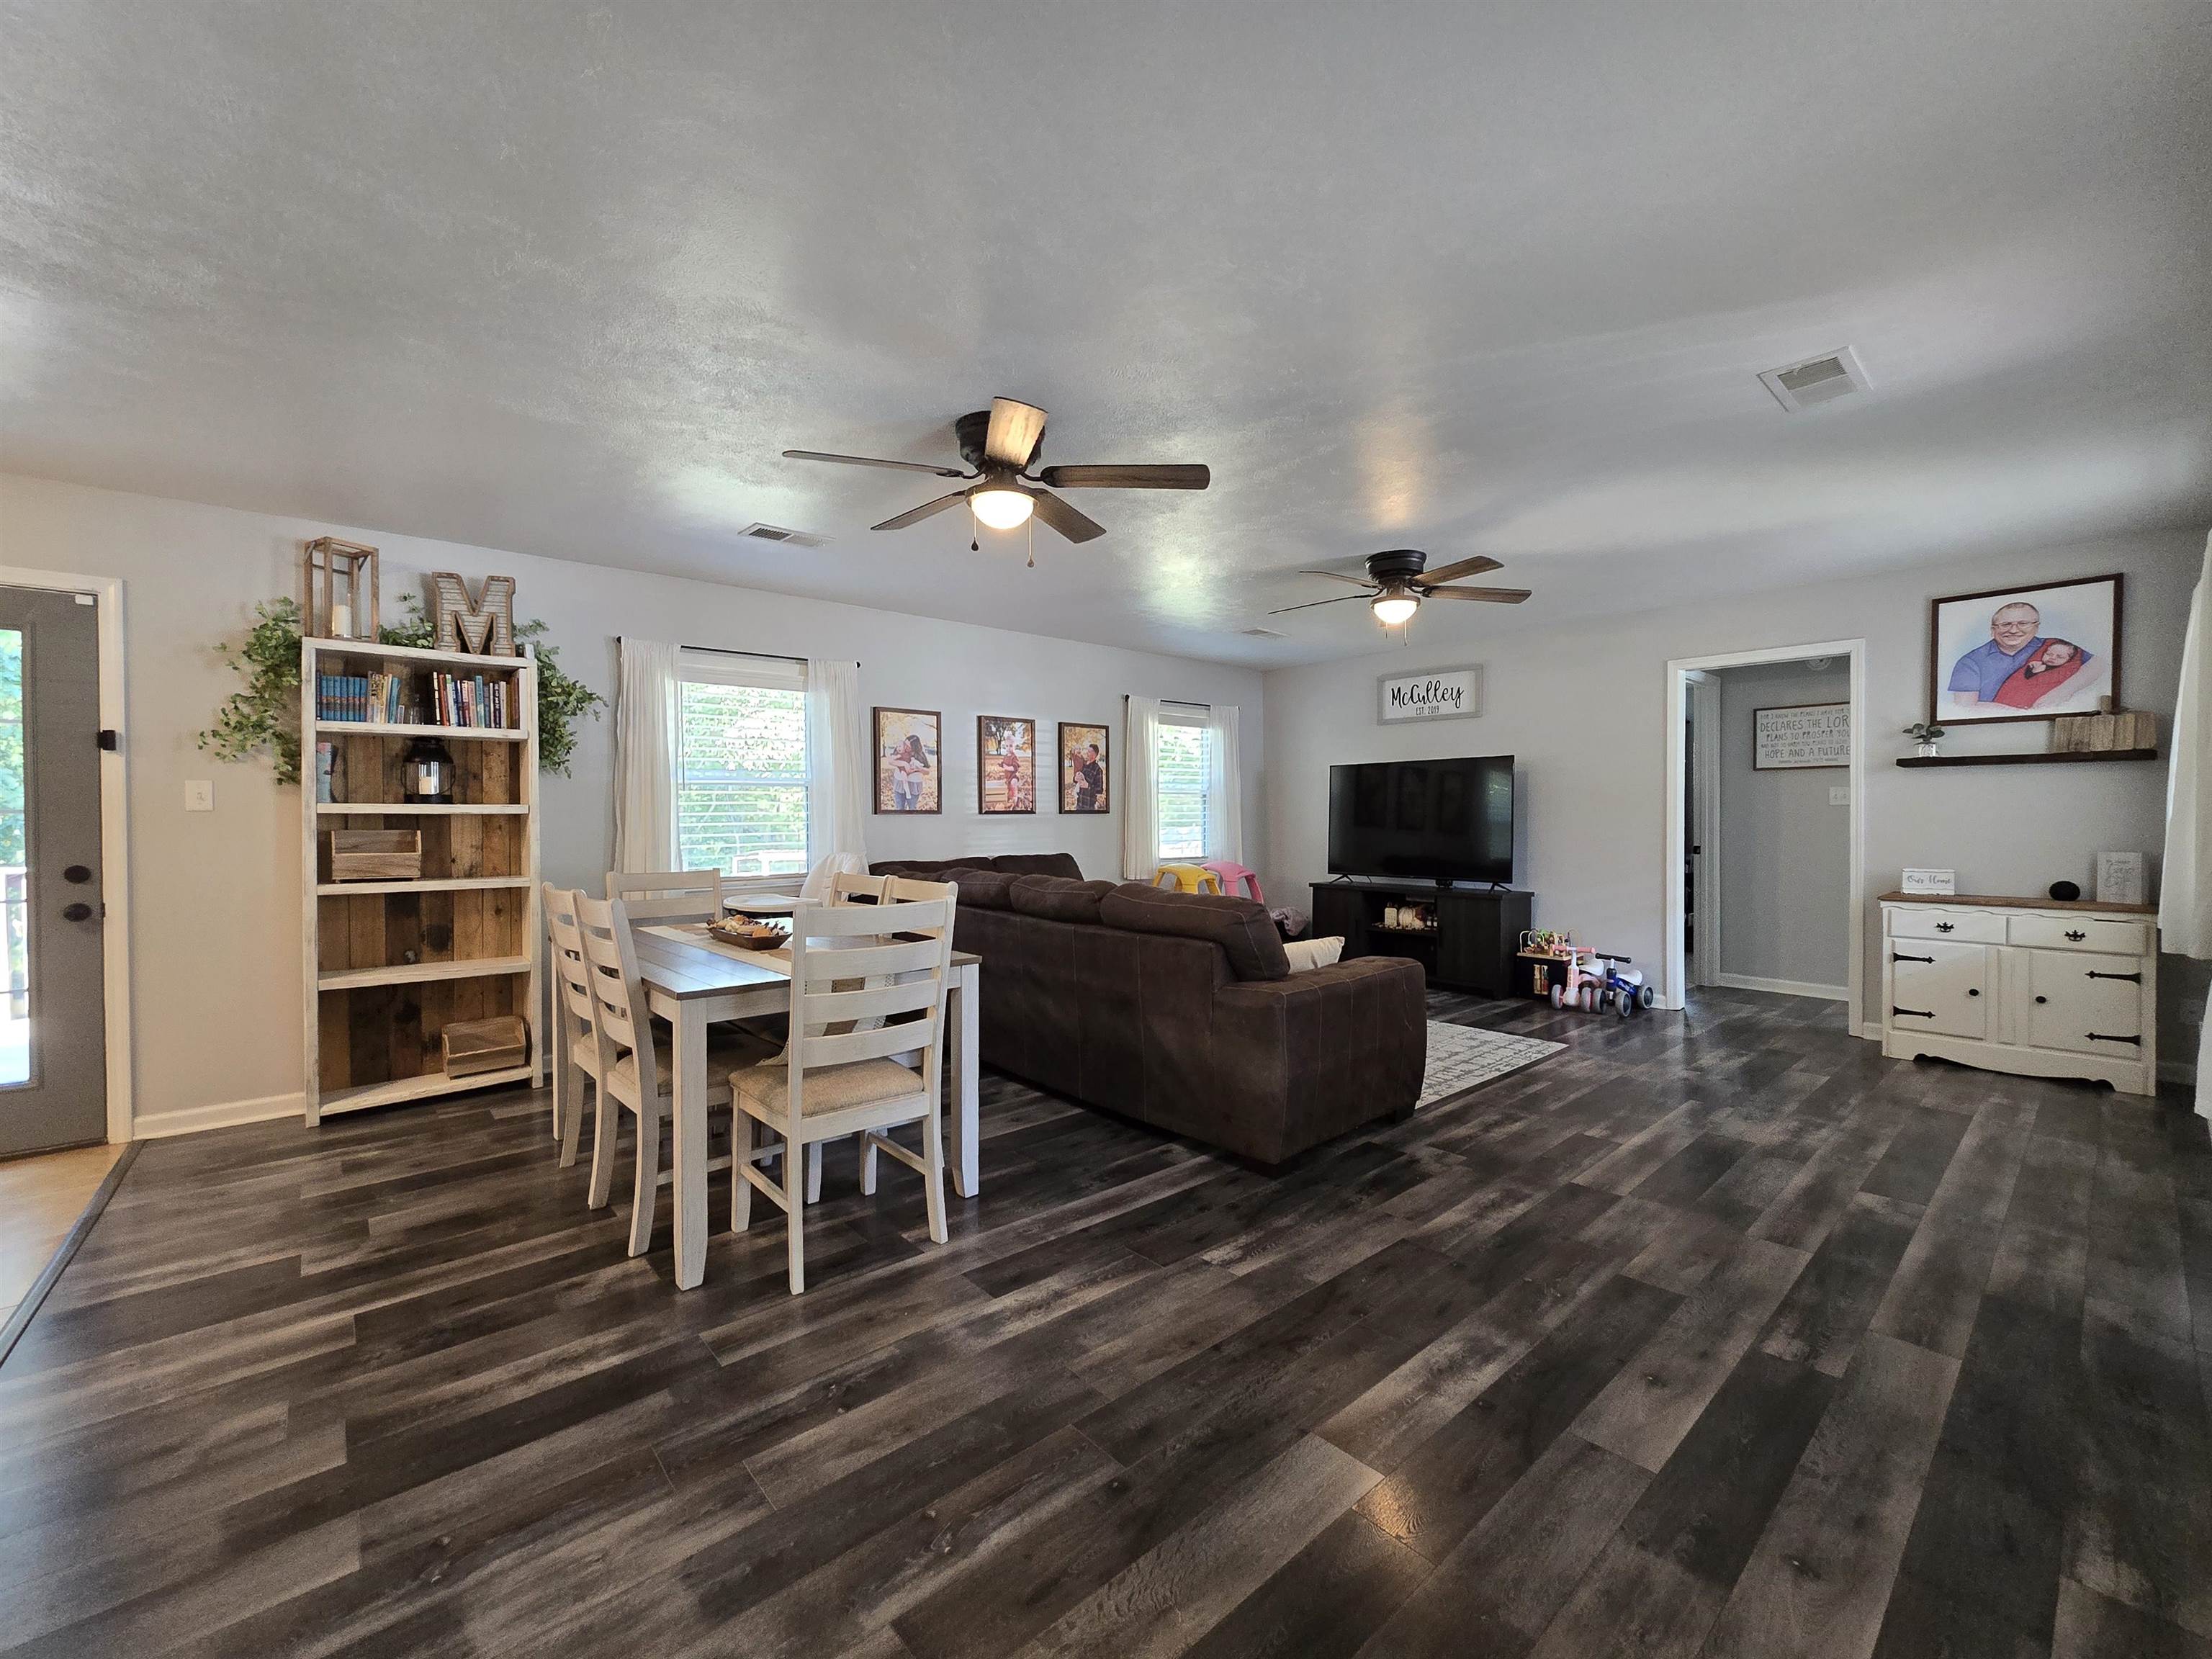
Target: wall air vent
[[776, 532], [1820, 379]]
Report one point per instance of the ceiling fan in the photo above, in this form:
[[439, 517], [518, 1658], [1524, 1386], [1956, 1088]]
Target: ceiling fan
[[1398, 580], [1000, 444]]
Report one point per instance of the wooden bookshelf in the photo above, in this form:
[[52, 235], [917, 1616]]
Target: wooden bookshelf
[[390, 962]]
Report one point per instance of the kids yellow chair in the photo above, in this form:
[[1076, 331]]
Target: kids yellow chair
[[1188, 879]]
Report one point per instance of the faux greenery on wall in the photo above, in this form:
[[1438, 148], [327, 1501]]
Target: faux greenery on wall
[[264, 717]]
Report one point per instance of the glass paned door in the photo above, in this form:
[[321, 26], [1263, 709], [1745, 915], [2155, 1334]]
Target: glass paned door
[[53, 1042], [14, 894]]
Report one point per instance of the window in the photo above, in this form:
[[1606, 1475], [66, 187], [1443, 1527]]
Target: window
[[1181, 780], [742, 771]]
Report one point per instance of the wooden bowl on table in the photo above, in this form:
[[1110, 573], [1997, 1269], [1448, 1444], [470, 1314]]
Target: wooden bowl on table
[[750, 934]]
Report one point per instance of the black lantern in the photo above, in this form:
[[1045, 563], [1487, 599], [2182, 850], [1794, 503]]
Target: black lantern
[[426, 772]]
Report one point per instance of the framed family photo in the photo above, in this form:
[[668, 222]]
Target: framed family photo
[[1005, 764], [906, 759], [1083, 779], [2024, 653]]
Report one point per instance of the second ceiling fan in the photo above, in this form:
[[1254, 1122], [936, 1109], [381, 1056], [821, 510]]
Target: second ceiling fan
[[1398, 579], [999, 444]]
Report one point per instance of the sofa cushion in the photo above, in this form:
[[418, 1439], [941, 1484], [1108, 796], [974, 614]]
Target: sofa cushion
[[925, 869], [1308, 954], [991, 889], [1056, 898], [1039, 864], [1241, 927]]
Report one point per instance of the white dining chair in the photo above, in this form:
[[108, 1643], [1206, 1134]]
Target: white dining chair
[[668, 896], [634, 1059], [834, 1079], [575, 1040]]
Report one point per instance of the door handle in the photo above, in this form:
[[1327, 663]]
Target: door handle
[[76, 873], [1894, 957], [1917, 1013], [2075, 934], [77, 912], [2132, 979], [2102, 1036]]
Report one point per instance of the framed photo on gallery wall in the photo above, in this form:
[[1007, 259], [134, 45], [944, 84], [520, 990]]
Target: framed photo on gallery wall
[[1005, 764], [1083, 768], [2031, 653], [908, 758]]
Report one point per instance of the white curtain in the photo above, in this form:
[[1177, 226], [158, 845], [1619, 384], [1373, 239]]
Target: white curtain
[[645, 757], [1140, 821], [2185, 906], [1224, 818], [837, 796]]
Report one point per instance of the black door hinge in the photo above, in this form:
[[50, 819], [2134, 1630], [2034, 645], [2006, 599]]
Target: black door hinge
[[108, 741]]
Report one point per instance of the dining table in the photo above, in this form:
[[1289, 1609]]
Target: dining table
[[692, 982]]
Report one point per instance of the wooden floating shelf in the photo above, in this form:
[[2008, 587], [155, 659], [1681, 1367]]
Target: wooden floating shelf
[[424, 884], [2056, 757], [417, 1088], [413, 809], [420, 973], [385, 729]]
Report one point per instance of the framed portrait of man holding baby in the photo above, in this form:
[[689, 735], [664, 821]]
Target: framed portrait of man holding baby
[[2024, 653]]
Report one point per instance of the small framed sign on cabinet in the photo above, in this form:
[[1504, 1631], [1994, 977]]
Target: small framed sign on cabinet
[[1430, 694]]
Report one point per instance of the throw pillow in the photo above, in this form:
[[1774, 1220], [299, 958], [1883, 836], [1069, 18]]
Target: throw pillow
[[1310, 953]]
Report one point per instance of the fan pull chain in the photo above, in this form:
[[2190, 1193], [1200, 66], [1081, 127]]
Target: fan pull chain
[[1032, 541], [974, 531]]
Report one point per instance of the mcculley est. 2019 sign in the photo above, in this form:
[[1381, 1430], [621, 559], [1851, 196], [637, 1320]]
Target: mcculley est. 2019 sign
[[1431, 694]]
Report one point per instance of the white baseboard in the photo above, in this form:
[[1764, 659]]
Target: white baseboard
[[1869, 1029], [223, 1115], [1788, 988], [2183, 1072]]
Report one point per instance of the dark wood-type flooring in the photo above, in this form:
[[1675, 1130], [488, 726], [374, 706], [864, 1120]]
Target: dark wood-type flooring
[[1716, 1333]]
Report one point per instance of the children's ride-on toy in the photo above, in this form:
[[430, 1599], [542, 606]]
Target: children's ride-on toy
[[1596, 980]]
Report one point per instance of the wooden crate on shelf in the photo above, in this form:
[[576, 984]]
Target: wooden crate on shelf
[[376, 854], [471, 1046]]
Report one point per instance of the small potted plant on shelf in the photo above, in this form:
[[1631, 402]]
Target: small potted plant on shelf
[[1928, 735]]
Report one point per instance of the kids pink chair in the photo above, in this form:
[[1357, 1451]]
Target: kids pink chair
[[1232, 873]]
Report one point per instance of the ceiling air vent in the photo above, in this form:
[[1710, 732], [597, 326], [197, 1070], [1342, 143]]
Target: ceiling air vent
[[776, 532], [1816, 380], [1262, 634]]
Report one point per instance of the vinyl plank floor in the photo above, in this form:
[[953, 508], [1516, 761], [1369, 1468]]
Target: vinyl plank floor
[[1715, 1334]]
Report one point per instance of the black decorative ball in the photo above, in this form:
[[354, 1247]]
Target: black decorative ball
[[2065, 889]]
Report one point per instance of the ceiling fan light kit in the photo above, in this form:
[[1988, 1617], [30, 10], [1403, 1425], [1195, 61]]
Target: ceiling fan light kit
[[1000, 444], [1002, 507], [1392, 609]]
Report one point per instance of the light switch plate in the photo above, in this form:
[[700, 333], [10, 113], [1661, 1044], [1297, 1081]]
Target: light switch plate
[[199, 795], [1839, 794]]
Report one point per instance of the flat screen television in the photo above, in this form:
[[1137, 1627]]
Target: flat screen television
[[1428, 820]]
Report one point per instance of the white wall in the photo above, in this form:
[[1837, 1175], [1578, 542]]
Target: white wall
[[1784, 852], [1584, 710], [216, 923]]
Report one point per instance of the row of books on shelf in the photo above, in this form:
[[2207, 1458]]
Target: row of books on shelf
[[469, 699]]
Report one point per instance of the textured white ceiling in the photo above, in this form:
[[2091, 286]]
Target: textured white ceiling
[[563, 279]]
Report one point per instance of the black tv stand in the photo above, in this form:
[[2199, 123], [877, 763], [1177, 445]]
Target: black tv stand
[[1471, 948]]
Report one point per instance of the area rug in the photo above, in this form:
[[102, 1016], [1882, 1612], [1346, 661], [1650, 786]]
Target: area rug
[[1462, 1056]]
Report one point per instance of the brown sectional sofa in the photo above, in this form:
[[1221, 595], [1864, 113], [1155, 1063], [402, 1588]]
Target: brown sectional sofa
[[1180, 1010]]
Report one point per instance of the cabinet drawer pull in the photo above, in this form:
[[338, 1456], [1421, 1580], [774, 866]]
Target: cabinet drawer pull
[[2105, 1036], [2043, 999], [1917, 1013], [2132, 979], [1971, 991], [1894, 957], [1943, 926], [2075, 934]]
